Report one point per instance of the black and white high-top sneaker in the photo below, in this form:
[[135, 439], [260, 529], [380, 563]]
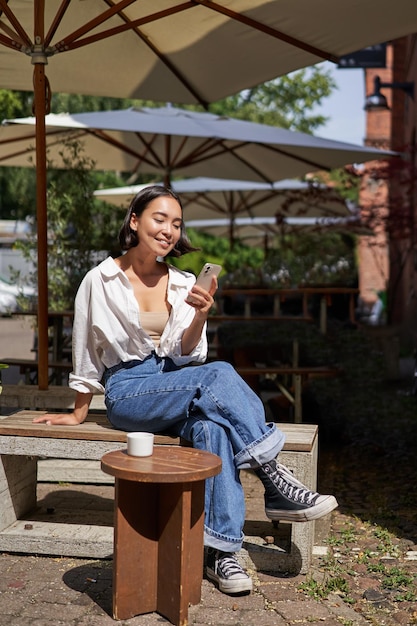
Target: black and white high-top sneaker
[[224, 569], [289, 500]]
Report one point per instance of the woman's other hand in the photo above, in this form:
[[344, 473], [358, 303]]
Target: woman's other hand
[[63, 419], [77, 416]]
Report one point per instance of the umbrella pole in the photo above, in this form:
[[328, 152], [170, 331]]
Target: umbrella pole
[[40, 101]]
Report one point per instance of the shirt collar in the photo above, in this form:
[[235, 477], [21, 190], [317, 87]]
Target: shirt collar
[[109, 267], [176, 277]]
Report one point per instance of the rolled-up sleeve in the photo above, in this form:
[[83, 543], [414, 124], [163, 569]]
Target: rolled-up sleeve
[[87, 361]]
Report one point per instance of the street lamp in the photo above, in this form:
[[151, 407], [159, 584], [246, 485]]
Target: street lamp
[[377, 101]]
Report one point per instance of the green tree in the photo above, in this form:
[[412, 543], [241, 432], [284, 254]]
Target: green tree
[[15, 104], [218, 250], [312, 258], [78, 233], [76, 103], [287, 102]]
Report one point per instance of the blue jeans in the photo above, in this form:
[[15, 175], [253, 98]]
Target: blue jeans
[[209, 405]]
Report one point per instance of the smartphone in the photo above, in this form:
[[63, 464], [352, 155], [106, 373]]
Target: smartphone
[[208, 271], [204, 278]]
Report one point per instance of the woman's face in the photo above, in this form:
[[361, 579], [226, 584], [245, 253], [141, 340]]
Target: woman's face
[[159, 225]]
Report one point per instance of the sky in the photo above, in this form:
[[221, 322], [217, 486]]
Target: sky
[[344, 107]]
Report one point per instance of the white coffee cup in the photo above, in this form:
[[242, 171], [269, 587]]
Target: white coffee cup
[[140, 444]]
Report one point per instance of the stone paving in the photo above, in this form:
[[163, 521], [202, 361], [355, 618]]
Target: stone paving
[[49, 591]]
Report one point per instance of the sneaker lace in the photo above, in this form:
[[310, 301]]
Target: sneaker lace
[[229, 566], [291, 487]]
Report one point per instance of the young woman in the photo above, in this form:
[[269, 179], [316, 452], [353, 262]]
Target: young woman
[[137, 339]]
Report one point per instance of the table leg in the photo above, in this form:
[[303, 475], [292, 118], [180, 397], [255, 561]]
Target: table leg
[[135, 559], [180, 563], [158, 549]]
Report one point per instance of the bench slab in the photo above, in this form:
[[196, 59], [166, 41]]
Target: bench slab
[[31, 536], [300, 437]]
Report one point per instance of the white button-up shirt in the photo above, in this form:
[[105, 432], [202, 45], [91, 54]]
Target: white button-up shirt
[[107, 328]]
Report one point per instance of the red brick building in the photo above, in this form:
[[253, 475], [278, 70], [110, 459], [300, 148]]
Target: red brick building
[[388, 261]]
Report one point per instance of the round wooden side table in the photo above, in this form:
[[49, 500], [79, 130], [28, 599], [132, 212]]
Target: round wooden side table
[[158, 530]]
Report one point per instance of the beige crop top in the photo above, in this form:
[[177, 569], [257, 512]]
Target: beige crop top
[[153, 324]]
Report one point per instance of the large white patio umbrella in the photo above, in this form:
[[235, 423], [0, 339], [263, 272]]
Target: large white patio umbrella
[[192, 51], [195, 51], [168, 141], [262, 231], [207, 198], [204, 198]]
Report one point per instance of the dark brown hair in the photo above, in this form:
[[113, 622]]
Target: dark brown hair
[[128, 238]]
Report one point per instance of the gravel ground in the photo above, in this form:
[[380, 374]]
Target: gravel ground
[[368, 459]]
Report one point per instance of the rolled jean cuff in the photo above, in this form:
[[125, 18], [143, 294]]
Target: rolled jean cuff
[[221, 542], [262, 450]]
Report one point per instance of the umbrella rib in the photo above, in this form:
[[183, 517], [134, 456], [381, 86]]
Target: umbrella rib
[[73, 41], [198, 153], [208, 149], [170, 163], [268, 30], [204, 201], [192, 157], [316, 166], [179, 149], [15, 23], [56, 21], [14, 44], [103, 136], [69, 42], [239, 158], [31, 149], [232, 150], [249, 201], [29, 135], [18, 154], [149, 149]]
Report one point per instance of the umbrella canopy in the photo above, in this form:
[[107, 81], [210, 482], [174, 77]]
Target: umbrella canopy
[[236, 201], [262, 231], [169, 141], [166, 51], [185, 52], [204, 198]]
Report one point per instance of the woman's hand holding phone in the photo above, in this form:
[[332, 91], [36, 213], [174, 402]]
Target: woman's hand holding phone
[[201, 294]]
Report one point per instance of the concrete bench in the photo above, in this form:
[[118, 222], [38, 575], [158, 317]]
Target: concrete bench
[[23, 443]]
